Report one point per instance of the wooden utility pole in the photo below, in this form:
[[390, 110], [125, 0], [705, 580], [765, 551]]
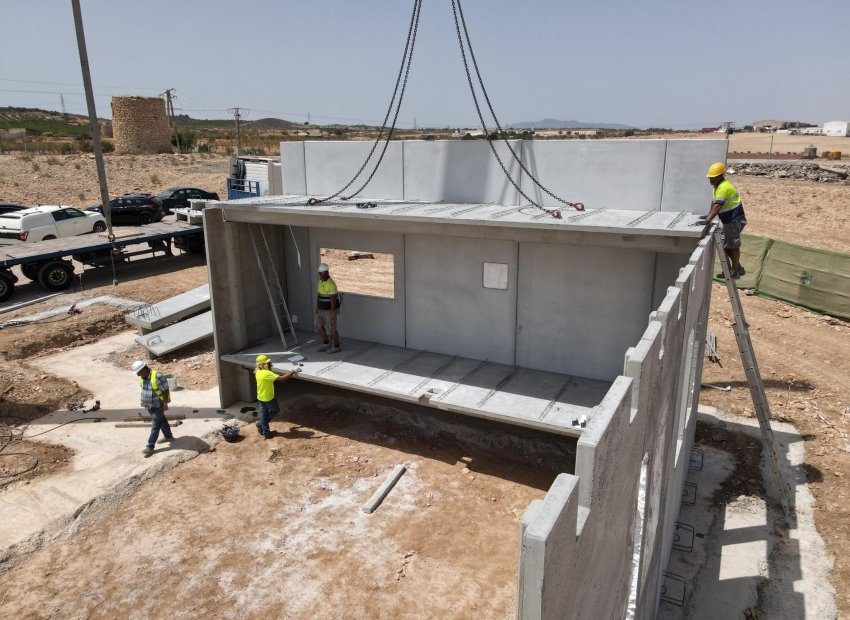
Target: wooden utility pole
[[95, 128], [169, 109], [237, 115]]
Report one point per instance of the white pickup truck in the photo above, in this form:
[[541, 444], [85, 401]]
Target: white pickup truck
[[47, 222]]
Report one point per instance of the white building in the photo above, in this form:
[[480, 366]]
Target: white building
[[840, 129]]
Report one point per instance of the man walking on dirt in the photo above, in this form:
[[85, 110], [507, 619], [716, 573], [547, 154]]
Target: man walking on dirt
[[155, 398], [327, 304], [727, 204], [265, 392]]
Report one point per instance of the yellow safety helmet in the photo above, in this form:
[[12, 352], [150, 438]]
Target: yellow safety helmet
[[263, 359], [716, 169]]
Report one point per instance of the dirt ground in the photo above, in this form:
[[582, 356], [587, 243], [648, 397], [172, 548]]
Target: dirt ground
[[802, 356]]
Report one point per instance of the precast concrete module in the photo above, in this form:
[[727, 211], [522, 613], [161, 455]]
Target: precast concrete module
[[589, 327], [140, 126]]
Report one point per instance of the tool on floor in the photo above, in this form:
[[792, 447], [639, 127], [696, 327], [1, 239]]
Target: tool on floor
[[748, 358]]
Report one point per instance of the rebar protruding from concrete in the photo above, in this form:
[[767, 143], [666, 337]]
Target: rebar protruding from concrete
[[376, 499]]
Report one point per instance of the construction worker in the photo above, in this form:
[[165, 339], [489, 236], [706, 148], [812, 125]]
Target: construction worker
[[155, 398], [327, 304], [727, 204], [266, 379]]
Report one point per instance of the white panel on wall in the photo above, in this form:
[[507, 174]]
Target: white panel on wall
[[686, 187], [459, 171], [331, 165], [496, 276], [610, 174]]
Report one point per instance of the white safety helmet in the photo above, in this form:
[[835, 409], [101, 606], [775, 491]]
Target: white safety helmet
[[323, 267], [137, 366]]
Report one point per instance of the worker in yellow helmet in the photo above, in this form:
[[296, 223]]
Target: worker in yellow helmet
[[266, 379], [728, 206], [327, 306]]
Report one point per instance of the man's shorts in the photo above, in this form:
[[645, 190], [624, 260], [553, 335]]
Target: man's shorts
[[323, 318], [732, 233]]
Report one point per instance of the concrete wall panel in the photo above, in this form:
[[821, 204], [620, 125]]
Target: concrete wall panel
[[364, 317], [331, 165], [584, 543], [460, 171], [685, 186], [567, 322], [293, 168], [611, 174], [448, 309]]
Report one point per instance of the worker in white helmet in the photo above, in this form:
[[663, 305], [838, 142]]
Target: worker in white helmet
[[327, 305], [155, 398]]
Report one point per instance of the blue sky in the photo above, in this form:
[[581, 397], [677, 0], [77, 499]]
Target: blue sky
[[663, 63]]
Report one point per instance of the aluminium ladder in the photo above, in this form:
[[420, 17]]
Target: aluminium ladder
[[268, 271], [748, 359]]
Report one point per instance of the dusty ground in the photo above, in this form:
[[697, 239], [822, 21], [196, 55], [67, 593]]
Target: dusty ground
[[802, 356]]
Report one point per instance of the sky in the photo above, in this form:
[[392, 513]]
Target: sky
[[652, 63]]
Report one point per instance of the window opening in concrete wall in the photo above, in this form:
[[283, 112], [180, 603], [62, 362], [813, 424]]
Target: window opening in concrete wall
[[637, 538], [496, 276], [361, 272], [686, 398]]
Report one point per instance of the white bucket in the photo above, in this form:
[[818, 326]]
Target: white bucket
[[172, 382]]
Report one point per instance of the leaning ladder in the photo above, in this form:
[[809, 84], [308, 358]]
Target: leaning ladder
[[268, 272], [748, 358]]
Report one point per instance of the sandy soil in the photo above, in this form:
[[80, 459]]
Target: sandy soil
[[802, 356]]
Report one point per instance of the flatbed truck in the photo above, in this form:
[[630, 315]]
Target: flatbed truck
[[49, 262]]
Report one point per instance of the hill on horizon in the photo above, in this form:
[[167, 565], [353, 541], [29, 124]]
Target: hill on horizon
[[551, 123]]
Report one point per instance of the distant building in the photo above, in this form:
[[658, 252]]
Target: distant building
[[14, 133], [839, 129], [769, 125]]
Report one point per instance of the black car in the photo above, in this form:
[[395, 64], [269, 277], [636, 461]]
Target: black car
[[6, 207], [134, 209], [178, 197]]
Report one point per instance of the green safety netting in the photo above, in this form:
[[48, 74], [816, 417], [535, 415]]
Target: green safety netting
[[806, 277]]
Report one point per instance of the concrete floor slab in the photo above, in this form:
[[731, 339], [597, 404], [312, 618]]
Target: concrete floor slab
[[514, 395]]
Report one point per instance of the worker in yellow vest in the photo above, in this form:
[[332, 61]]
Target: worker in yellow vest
[[728, 206], [155, 398], [266, 379], [327, 305]]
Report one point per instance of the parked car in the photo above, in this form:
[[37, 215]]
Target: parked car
[[6, 207], [47, 222], [133, 209], [178, 197]]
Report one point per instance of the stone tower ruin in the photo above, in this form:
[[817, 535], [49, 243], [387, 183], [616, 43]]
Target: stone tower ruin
[[140, 125]]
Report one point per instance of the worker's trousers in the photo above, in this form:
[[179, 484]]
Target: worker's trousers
[[158, 423]]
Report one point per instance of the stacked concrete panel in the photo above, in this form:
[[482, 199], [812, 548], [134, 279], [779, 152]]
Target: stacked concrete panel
[[140, 126], [576, 551]]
